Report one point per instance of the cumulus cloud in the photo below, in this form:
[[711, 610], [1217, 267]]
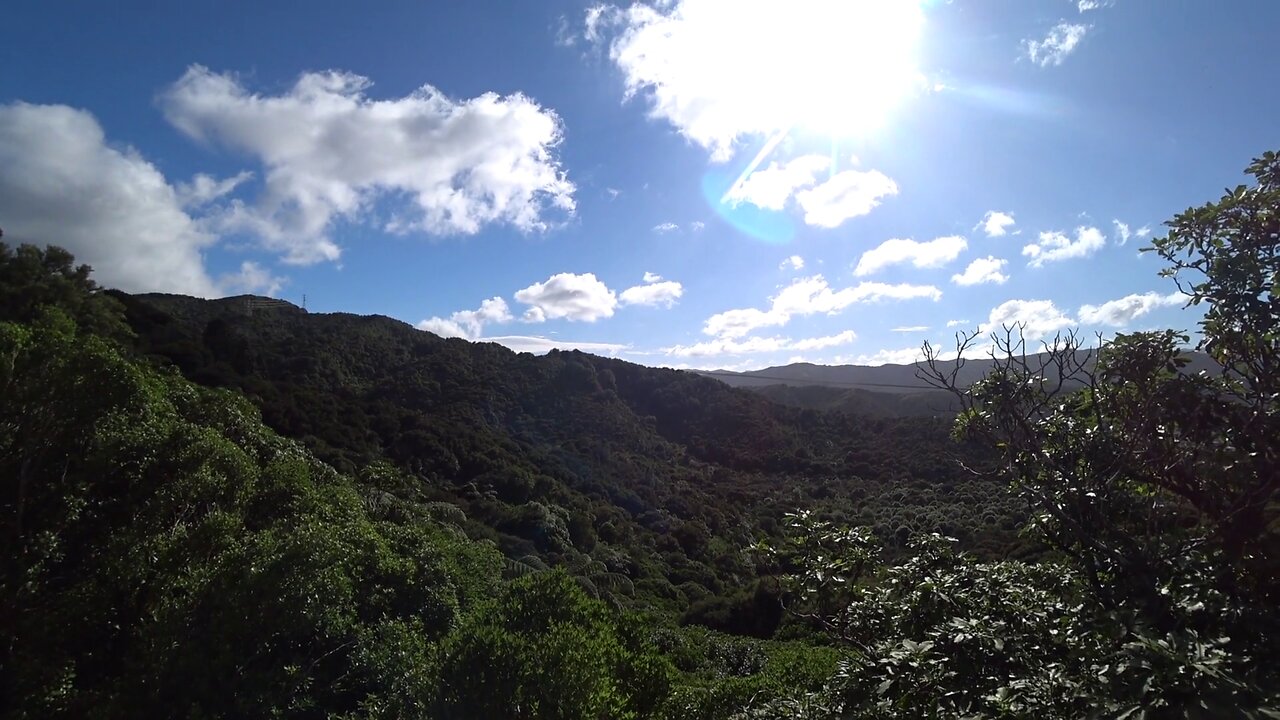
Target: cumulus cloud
[[809, 296], [771, 187], [996, 223], [1055, 246], [910, 329], [566, 295], [654, 292], [956, 323], [666, 227], [701, 66], [795, 262], [754, 345], [1054, 48], [1038, 318], [469, 324], [329, 152], [982, 270], [63, 184], [1119, 313], [844, 195], [897, 251]]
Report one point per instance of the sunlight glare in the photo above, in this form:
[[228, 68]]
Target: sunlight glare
[[837, 67]]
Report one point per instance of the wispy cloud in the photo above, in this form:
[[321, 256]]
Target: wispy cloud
[[1053, 48], [809, 296], [756, 345]]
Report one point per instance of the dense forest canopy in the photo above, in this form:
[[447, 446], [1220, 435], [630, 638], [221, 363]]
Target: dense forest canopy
[[213, 509]]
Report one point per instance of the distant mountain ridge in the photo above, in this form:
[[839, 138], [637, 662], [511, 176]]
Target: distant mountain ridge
[[881, 390]]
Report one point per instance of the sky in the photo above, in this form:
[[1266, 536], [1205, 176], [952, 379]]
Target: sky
[[686, 183]]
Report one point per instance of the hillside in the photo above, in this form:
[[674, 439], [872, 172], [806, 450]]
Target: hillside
[[570, 458], [435, 528]]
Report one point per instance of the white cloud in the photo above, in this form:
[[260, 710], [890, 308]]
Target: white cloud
[[1055, 246], [1122, 231], [598, 19], [931, 254], [329, 153], [1039, 318], [795, 262], [697, 226], [252, 279], [666, 227], [469, 324], [654, 292], [821, 343], [809, 296], [846, 195], [728, 346], [1119, 313], [982, 270], [910, 329], [956, 323], [541, 345], [62, 183], [204, 189], [773, 186], [754, 345], [719, 71], [1085, 6], [1060, 42], [996, 223], [566, 295], [903, 356]]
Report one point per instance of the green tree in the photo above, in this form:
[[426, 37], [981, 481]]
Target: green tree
[[32, 278], [544, 649], [1161, 484], [1156, 486]]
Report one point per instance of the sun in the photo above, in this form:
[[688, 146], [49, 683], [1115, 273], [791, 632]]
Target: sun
[[836, 67]]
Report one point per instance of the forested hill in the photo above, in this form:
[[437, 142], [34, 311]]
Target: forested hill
[[662, 475]]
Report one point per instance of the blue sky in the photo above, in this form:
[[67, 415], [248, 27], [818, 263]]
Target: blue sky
[[692, 183]]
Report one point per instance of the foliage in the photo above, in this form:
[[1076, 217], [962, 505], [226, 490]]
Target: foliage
[[661, 477], [543, 649], [33, 277], [165, 547]]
